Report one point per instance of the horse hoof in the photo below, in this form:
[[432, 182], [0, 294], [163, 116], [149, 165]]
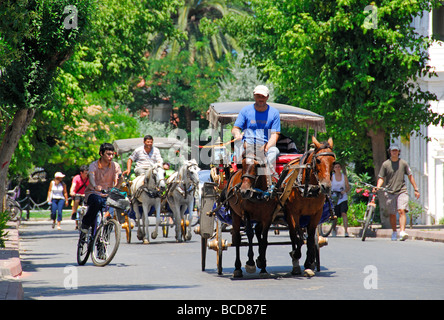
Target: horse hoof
[[250, 269], [188, 236], [237, 274], [179, 240], [260, 264], [308, 273], [145, 241], [264, 275], [296, 271], [153, 235]]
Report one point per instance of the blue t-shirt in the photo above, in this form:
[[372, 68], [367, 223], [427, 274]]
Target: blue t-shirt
[[258, 126]]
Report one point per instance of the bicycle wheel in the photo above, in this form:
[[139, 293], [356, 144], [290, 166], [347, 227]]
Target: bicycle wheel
[[106, 242], [83, 248], [368, 217], [14, 209], [330, 225]]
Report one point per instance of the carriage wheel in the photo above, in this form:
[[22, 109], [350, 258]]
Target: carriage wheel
[[219, 248], [203, 251]]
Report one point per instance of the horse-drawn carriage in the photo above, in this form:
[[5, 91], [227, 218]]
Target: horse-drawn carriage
[[170, 201], [241, 198]]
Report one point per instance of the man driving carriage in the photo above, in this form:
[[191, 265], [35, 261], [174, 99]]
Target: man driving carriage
[[261, 126], [145, 156]]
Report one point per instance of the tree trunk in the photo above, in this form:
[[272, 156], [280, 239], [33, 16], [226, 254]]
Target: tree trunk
[[379, 156], [13, 133]]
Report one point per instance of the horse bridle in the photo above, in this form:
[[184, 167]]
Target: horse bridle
[[313, 166], [250, 176]]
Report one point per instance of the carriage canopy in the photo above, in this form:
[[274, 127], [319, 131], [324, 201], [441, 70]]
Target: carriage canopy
[[128, 145], [227, 112]]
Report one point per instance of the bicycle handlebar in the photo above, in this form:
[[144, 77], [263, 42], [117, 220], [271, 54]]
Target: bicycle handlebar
[[373, 187]]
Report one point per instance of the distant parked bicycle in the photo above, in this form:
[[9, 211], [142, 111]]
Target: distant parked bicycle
[[371, 208], [12, 206], [102, 240]]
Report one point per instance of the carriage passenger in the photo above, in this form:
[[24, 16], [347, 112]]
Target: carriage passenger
[[145, 156], [261, 126]]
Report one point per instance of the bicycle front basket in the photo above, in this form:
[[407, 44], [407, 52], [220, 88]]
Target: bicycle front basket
[[117, 199]]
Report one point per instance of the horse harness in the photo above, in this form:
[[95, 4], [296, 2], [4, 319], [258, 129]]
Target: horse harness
[[181, 186], [152, 193], [306, 189]]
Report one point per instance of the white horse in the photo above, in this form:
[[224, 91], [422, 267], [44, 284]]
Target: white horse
[[180, 196], [146, 191]]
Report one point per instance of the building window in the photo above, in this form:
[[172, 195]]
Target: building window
[[438, 22]]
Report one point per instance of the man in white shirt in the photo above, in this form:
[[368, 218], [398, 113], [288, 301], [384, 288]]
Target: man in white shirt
[[144, 156]]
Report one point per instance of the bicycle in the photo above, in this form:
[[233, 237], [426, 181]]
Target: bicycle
[[101, 242], [370, 209], [12, 206]]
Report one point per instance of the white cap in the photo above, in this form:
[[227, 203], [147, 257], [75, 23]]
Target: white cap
[[262, 90], [59, 175]]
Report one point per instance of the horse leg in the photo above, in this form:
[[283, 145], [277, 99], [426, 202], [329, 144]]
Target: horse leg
[[236, 238], [157, 207], [250, 266], [295, 238], [146, 211], [262, 238], [139, 225], [309, 264], [188, 219], [177, 222]]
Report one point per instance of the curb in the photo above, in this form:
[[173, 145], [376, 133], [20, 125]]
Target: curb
[[10, 266], [377, 232]]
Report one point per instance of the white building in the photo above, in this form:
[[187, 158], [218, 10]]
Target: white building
[[426, 159]]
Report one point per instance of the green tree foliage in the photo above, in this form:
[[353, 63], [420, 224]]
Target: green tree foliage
[[357, 67], [98, 74], [174, 80], [198, 21], [37, 37]]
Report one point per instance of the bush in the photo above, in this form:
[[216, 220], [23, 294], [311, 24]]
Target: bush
[[4, 218], [355, 213]]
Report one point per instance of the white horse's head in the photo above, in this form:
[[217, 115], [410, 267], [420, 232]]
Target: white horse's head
[[159, 176], [192, 170]]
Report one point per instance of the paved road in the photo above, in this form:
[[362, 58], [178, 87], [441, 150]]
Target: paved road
[[351, 269]]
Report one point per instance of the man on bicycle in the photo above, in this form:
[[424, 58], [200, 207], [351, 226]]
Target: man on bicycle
[[261, 125], [392, 172], [103, 174]]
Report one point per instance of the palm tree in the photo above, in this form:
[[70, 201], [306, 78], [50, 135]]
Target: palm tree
[[201, 36]]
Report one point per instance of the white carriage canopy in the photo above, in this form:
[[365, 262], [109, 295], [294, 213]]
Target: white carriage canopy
[[227, 112]]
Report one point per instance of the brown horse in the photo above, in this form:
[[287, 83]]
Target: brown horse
[[307, 198], [245, 195]]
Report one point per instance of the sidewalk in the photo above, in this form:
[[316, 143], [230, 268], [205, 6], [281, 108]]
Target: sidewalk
[[418, 232], [10, 266]]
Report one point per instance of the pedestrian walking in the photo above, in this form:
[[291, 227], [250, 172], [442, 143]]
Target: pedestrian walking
[[340, 188], [57, 198], [392, 173]]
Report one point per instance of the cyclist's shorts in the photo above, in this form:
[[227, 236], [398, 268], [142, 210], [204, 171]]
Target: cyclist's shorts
[[397, 202]]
